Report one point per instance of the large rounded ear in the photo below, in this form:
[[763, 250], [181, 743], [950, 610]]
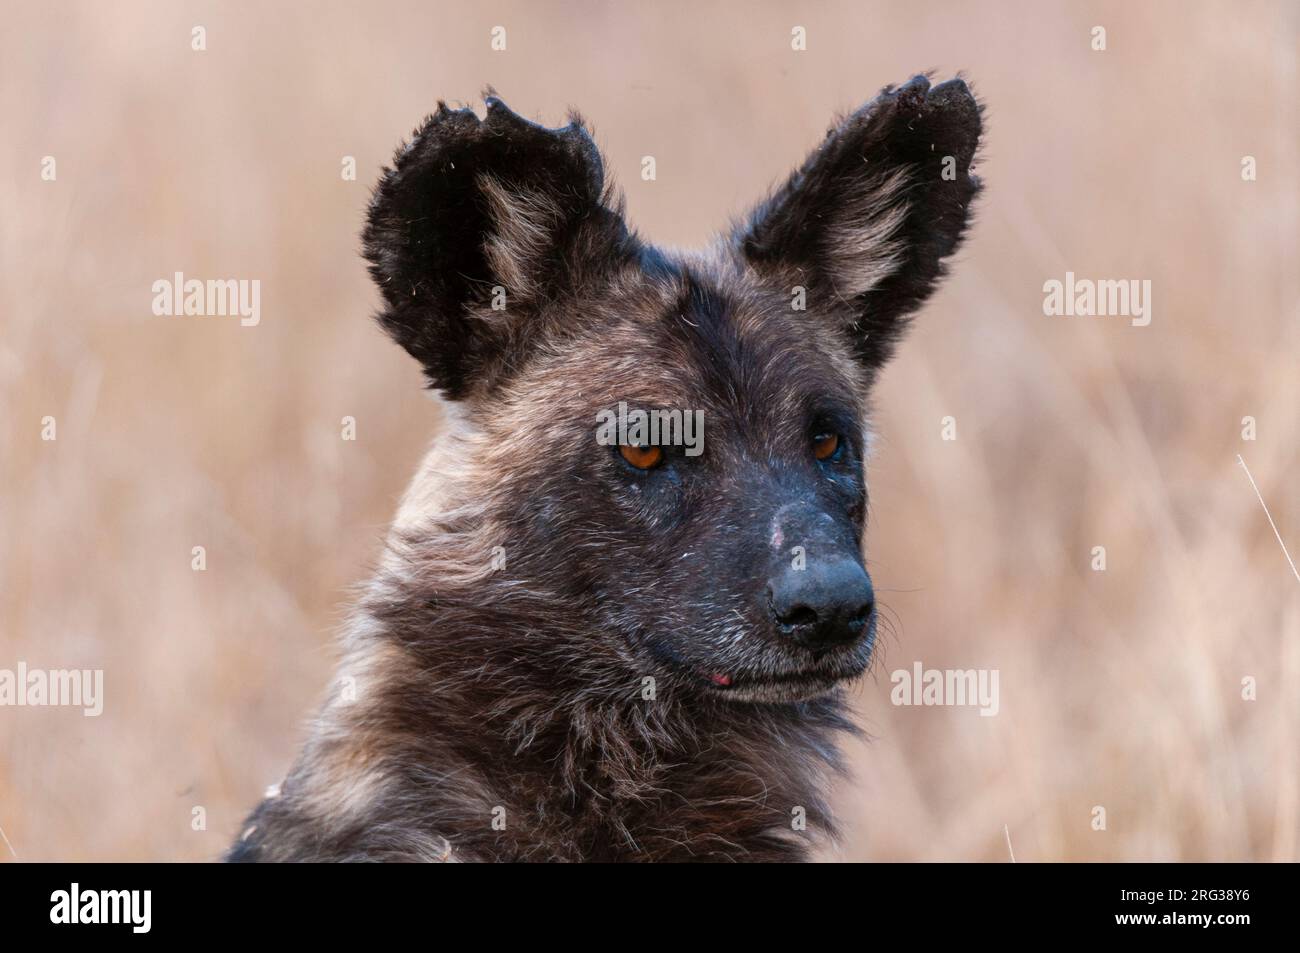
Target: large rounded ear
[[865, 223], [479, 222]]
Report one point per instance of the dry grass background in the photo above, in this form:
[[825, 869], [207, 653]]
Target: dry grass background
[[1119, 689]]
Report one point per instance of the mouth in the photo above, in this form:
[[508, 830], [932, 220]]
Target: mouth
[[801, 684], [785, 687], [817, 678], [785, 676]]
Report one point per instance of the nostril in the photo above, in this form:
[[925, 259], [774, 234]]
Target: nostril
[[829, 604], [859, 617], [799, 615]]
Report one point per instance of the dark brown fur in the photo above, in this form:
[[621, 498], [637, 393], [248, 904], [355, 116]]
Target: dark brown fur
[[563, 705]]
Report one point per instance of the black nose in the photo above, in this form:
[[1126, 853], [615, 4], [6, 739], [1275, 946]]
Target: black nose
[[824, 604]]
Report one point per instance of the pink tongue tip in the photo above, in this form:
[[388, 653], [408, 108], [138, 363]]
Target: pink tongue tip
[[720, 679]]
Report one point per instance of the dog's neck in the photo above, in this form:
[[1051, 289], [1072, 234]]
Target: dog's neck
[[560, 750]]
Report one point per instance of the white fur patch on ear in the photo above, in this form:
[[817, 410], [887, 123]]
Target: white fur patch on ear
[[863, 246], [523, 230]]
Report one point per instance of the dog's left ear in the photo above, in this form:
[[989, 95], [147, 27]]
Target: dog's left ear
[[866, 222]]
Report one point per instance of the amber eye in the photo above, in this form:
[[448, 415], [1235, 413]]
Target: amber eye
[[825, 445], [643, 458]]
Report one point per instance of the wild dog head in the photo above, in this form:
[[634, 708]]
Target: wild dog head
[[732, 566]]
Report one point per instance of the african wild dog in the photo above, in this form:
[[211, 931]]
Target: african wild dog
[[583, 652]]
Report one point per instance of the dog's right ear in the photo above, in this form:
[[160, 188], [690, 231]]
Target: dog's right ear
[[478, 222]]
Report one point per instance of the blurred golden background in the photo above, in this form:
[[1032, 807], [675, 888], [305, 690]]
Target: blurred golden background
[[1120, 688]]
